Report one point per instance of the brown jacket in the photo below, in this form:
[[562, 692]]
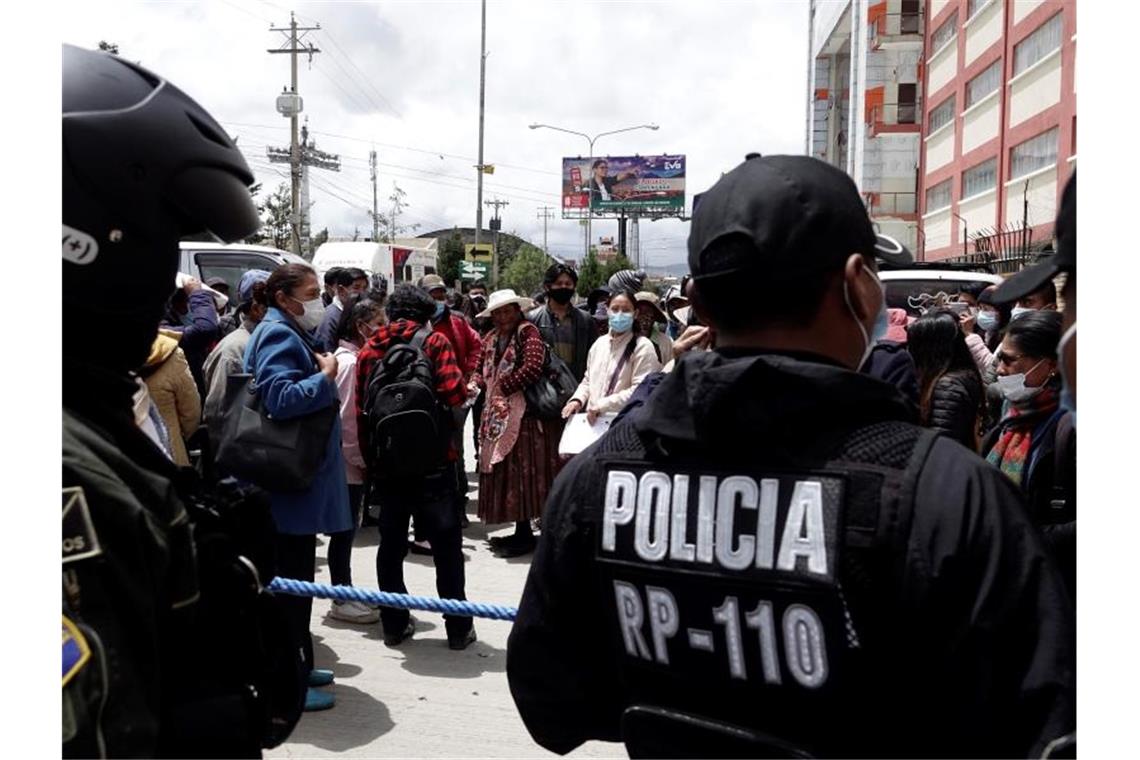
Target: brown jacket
[[171, 385]]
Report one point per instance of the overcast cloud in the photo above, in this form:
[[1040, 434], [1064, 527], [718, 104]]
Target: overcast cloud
[[720, 78]]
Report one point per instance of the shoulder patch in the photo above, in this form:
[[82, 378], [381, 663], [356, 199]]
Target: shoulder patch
[[76, 651], [79, 538]]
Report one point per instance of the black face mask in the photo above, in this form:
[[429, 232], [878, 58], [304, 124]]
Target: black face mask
[[561, 295]]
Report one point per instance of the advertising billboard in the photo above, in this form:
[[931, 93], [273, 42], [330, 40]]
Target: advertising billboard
[[611, 185]]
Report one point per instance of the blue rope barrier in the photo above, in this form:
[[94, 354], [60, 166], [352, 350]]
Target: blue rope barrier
[[388, 599]]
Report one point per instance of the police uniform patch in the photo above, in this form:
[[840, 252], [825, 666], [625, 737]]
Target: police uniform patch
[[725, 577], [79, 538], [76, 651]]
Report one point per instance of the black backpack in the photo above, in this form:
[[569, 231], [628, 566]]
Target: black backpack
[[408, 431]]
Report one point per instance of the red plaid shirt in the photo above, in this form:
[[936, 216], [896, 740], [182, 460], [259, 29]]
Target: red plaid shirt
[[449, 388]]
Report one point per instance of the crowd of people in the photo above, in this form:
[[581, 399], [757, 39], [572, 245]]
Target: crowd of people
[[935, 452]]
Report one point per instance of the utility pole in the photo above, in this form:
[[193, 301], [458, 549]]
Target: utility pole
[[375, 218], [310, 156], [479, 168], [292, 109], [545, 215], [496, 225]]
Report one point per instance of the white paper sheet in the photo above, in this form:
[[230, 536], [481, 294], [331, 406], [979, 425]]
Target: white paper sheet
[[579, 434]]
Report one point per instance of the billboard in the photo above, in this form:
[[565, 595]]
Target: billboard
[[650, 185]]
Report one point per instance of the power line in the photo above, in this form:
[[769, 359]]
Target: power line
[[328, 36]]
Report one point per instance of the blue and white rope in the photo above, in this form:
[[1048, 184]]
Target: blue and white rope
[[388, 599]]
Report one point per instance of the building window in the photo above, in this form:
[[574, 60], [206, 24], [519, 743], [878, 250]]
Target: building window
[[980, 178], [943, 33], [938, 197], [1033, 154], [1037, 45], [941, 116], [973, 6], [983, 84]]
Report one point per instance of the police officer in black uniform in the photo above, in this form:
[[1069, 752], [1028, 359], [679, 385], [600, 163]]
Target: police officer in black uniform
[[148, 669], [770, 558]]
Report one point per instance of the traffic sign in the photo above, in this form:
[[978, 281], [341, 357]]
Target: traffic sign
[[481, 252], [474, 270]]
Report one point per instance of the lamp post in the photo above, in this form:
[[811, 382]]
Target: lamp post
[[591, 141]]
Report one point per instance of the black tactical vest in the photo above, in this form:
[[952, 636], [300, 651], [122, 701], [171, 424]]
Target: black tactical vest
[[754, 587]]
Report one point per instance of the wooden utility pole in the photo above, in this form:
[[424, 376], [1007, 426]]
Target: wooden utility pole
[[293, 110], [545, 215]]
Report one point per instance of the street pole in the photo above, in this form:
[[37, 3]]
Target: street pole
[[294, 144], [375, 211], [495, 225], [545, 215], [482, 89]]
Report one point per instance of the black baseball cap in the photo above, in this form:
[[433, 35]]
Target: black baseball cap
[[802, 214], [1031, 279]]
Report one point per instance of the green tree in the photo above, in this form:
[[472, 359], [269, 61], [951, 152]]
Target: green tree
[[618, 263], [275, 226], [320, 239], [451, 252], [509, 244], [590, 275], [524, 273]]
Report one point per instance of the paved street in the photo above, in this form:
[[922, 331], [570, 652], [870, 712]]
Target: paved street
[[421, 699]]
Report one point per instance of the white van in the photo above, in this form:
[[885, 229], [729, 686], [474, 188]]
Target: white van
[[395, 262], [230, 262]]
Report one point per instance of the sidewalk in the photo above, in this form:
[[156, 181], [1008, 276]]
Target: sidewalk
[[421, 699]]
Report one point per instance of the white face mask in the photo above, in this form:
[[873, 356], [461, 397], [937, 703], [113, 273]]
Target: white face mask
[[1013, 386], [882, 321], [313, 316], [1018, 311]]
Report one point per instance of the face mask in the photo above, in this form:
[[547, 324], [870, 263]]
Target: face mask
[[882, 321], [1013, 386], [987, 320], [1068, 398], [561, 295], [621, 322], [313, 316], [439, 307], [1018, 311]]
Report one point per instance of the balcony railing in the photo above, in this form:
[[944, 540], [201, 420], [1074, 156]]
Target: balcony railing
[[896, 27], [891, 204], [894, 114]]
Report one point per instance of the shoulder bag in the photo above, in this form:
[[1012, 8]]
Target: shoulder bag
[[277, 455]]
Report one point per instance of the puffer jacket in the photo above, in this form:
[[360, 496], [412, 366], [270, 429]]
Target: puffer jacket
[[954, 406], [171, 386]]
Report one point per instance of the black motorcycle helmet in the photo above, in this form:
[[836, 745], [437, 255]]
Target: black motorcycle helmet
[[143, 166]]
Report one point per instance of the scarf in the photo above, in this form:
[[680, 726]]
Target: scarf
[[502, 414], [1011, 451]]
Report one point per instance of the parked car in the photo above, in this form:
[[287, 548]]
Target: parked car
[[230, 262], [922, 286]]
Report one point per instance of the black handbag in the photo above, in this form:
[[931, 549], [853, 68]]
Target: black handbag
[[277, 455], [546, 396]]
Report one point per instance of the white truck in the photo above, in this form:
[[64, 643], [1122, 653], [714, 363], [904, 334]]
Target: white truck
[[396, 263]]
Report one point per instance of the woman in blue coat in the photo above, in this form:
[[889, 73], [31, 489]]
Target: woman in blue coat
[[295, 379]]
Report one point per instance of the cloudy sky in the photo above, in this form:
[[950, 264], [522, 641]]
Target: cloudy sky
[[720, 78]]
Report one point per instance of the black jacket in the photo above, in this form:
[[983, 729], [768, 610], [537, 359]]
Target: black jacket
[[976, 649], [1049, 484], [891, 362], [584, 334], [955, 404]]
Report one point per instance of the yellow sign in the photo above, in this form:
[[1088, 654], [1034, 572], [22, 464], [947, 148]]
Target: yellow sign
[[480, 252]]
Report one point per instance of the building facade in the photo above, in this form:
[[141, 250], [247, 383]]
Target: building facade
[[999, 123], [865, 102]]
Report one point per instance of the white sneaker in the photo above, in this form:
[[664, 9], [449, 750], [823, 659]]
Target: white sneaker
[[353, 612]]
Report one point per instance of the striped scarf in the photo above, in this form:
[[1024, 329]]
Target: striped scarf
[[1011, 451]]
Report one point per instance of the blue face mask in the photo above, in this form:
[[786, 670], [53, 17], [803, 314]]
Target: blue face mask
[[621, 322], [987, 320], [882, 321], [439, 307]]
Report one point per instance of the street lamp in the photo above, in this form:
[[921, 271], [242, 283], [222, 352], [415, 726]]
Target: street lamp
[[591, 141]]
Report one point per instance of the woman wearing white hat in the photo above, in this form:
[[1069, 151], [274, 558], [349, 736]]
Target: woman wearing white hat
[[518, 453]]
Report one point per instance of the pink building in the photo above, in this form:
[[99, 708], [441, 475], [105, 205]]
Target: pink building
[[999, 122]]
